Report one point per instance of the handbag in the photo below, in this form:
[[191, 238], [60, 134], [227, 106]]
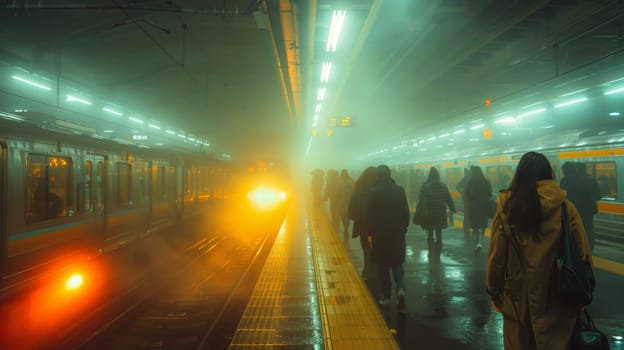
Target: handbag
[[575, 277], [419, 214], [587, 336]]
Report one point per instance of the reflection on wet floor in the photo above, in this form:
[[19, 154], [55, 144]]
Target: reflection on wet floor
[[447, 306]]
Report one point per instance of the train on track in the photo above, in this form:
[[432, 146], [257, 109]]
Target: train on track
[[65, 195]]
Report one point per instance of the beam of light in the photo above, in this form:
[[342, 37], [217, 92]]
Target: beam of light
[[335, 29], [326, 70], [31, 83], [614, 114], [578, 100], [71, 98], [112, 111], [136, 120], [536, 111], [154, 126], [611, 92]]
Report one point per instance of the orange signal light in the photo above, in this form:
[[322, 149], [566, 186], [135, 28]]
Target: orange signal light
[[487, 133], [488, 102], [74, 281]]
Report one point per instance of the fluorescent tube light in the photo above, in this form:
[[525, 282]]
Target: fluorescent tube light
[[136, 120], [325, 71], [459, 131], [578, 100], [321, 94], [170, 132], [71, 98], [181, 136], [335, 29], [478, 126], [531, 113], [505, 120], [614, 91], [154, 126], [112, 111], [445, 135], [31, 83]]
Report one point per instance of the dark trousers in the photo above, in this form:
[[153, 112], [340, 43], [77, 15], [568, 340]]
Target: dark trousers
[[384, 278], [434, 245]]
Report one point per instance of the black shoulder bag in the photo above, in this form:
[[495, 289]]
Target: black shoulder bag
[[575, 277]]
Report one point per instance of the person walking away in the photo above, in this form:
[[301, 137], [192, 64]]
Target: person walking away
[[525, 244], [316, 187], [331, 194], [436, 197], [357, 213], [388, 215], [461, 188], [478, 194], [345, 189]]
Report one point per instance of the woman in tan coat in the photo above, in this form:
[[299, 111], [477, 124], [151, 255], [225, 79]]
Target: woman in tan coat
[[524, 246]]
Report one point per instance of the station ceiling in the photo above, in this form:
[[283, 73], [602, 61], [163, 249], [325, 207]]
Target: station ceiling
[[244, 75]]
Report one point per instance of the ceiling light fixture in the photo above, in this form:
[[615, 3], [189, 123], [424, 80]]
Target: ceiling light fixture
[[321, 94], [318, 108], [170, 132], [478, 126], [71, 98], [531, 113], [611, 92], [325, 71], [112, 111], [578, 100], [136, 120], [31, 83], [335, 29], [505, 120], [154, 126]]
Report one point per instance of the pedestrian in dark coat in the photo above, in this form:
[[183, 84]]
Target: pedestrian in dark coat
[[388, 215], [525, 244], [357, 213], [478, 194], [588, 206], [461, 188], [435, 197]]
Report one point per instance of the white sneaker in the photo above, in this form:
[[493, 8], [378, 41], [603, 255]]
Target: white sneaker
[[478, 248], [384, 301], [401, 299]]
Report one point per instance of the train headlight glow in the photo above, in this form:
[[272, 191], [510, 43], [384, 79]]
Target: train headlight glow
[[74, 281], [266, 197]]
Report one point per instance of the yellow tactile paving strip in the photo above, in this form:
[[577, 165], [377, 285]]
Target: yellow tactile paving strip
[[349, 316], [351, 319]]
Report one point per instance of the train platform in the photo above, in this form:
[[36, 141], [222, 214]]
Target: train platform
[[310, 295]]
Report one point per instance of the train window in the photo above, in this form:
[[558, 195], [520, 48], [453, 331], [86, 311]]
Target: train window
[[500, 176], [99, 187], [124, 196], [161, 191], [88, 200], [606, 175], [453, 176], [48, 181]]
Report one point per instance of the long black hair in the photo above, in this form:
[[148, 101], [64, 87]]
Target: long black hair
[[523, 207]]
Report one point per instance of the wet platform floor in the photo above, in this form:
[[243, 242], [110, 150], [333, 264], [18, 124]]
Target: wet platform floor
[[448, 308]]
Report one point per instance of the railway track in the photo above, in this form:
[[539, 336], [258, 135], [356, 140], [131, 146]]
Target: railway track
[[194, 303]]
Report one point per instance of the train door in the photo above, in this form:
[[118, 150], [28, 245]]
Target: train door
[[94, 191]]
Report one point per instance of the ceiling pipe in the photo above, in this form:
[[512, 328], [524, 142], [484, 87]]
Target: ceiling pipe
[[309, 54], [280, 67], [290, 36]]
